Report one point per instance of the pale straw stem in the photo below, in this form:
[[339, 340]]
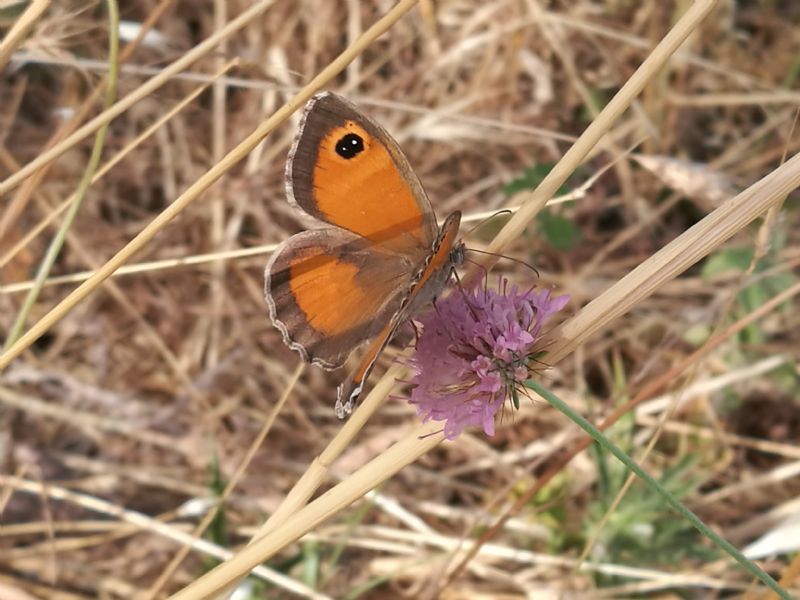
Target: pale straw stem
[[147, 523], [144, 90], [752, 202], [20, 29], [101, 172], [206, 180], [386, 464], [319, 469], [674, 258], [601, 125]]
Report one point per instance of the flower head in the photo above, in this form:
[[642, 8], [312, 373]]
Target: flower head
[[474, 351]]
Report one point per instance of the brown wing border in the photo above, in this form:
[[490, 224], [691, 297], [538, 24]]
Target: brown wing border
[[287, 316], [321, 113]]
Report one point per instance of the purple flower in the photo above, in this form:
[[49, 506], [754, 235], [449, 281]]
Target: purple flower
[[474, 351]]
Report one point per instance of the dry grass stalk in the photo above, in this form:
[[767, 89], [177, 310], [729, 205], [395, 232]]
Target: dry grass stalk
[[676, 257], [199, 259], [231, 485], [26, 190], [319, 470], [603, 123], [135, 96], [761, 195], [110, 164], [133, 268], [21, 28], [147, 523], [243, 403], [404, 452], [228, 573], [202, 184]]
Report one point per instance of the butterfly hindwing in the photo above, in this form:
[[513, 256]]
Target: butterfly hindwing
[[327, 293]]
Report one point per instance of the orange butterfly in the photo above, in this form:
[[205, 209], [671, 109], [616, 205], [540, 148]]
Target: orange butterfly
[[377, 255]]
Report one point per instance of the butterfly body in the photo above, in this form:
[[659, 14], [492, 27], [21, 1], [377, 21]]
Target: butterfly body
[[377, 255]]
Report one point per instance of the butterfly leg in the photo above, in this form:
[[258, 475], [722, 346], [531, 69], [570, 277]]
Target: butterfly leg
[[464, 294], [350, 389], [415, 329]]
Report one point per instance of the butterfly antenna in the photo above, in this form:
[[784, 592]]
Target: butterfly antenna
[[511, 258], [484, 272]]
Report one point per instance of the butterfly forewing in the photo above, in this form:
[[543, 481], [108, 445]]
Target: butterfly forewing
[[344, 169]]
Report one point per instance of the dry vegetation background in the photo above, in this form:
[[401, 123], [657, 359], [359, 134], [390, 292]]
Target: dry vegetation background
[[136, 409]]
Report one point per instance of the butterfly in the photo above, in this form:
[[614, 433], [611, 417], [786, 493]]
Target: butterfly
[[376, 255]]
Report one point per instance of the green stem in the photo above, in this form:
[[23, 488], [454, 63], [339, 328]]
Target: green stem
[[58, 240], [603, 441]]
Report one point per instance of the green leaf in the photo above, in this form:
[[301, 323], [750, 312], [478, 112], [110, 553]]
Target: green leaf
[[730, 259], [757, 292], [13, 10], [311, 564], [560, 232], [530, 178], [514, 397], [217, 530], [675, 478]]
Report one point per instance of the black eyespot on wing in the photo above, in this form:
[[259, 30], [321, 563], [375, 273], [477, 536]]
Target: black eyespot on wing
[[349, 145]]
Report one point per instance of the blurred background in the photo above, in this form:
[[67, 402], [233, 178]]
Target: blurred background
[[147, 396]]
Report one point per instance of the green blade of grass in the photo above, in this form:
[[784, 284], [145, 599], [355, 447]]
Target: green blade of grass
[[603, 441], [86, 180]]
